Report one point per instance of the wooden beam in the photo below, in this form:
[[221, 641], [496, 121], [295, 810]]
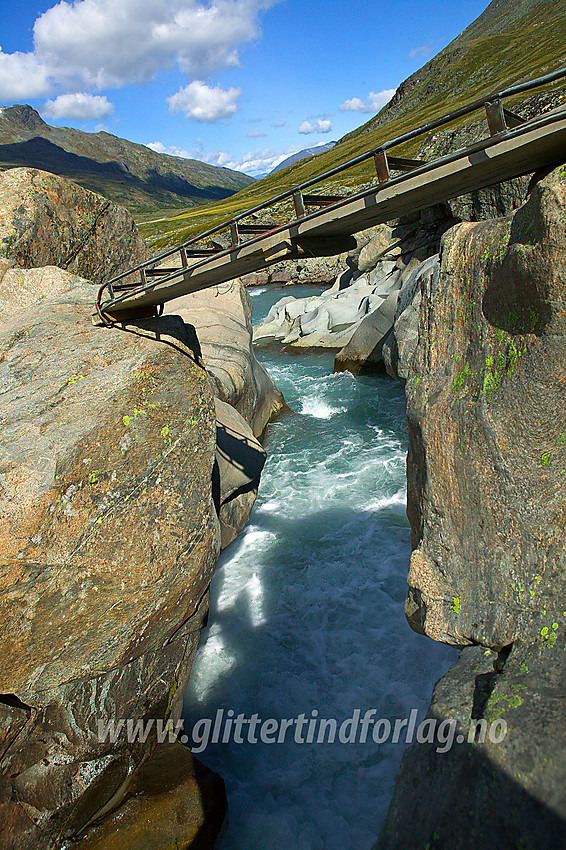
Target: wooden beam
[[511, 119], [322, 200], [200, 252], [397, 163], [495, 117], [255, 228], [323, 246]]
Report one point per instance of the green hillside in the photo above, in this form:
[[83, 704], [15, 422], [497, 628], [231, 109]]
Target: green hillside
[[511, 41], [130, 174]]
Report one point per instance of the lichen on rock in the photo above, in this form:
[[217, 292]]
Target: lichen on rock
[[486, 404], [109, 540]]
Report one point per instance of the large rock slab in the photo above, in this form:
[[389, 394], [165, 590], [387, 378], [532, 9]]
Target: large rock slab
[[175, 803], [109, 538], [363, 352], [329, 320], [497, 784], [46, 220], [222, 317], [486, 405]]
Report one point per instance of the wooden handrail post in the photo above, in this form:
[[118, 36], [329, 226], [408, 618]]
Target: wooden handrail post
[[184, 261], [234, 235], [381, 166], [495, 117], [300, 210]]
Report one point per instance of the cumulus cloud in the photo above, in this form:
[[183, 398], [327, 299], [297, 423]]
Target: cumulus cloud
[[318, 126], [255, 134], [80, 105], [97, 44], [171, 150], [252, 162], [22, 77], [204, 103], [278, 124], [375, 101]]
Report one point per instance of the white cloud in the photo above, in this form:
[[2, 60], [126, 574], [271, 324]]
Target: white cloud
[[424, 50], [278, 124], [255, 134], [204, 103], [97, 44], [172, 150], [318, 126], [22, 77], [375, 101], [353, 105], [80, 105], [252, 162]]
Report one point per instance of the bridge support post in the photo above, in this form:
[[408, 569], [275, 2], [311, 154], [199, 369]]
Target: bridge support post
[[300, 210]]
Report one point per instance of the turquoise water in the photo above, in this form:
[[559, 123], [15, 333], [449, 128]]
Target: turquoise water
[[307, 614]]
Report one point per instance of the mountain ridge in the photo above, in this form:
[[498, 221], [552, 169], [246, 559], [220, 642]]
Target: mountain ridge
[[126, 172]]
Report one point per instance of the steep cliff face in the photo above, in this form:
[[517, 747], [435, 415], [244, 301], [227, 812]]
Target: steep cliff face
[[486, 404], [492, 776], [486, 401], [120, 477]]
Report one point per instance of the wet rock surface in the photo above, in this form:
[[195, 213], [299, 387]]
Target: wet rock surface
[[240, 459]]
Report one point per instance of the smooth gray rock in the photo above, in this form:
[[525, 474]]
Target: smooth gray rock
[[240, 459], [222, 317], [363, 350], [400, 344]]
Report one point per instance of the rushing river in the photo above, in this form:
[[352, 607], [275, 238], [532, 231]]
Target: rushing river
[[307, 617]]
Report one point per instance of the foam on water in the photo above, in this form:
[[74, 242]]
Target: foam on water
[[307, 615]]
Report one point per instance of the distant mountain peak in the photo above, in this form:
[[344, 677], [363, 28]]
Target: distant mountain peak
[[22, 117]]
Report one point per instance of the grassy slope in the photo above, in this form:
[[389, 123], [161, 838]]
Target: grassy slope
[[513, 40]]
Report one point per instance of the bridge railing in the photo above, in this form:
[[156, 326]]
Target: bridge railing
[[499, 119]]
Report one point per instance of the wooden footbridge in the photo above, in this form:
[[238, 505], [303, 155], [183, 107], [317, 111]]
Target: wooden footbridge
[[324, 225]]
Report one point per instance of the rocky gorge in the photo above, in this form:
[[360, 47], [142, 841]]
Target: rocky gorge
[[476, 332], [152, 427]]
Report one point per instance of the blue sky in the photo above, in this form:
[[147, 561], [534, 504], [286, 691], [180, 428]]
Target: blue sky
[[238, 83]]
